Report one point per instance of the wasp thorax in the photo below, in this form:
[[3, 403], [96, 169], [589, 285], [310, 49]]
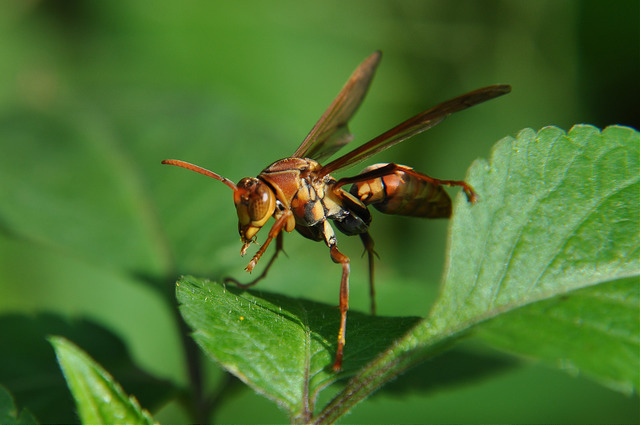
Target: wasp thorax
[[255, 203]]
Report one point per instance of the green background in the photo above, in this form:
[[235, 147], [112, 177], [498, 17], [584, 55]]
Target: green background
[[94, 94]]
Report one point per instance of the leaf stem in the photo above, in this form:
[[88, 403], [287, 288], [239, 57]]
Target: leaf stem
[[404, 355], [200, 409], [196, 402]]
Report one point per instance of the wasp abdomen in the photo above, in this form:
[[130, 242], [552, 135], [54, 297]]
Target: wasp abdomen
[[354, 217], [401, 193]]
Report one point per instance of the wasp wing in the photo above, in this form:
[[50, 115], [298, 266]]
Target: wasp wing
[[414, 125], [331, 132]]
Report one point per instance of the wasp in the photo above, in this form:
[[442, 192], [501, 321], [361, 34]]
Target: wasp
[[300, 193]]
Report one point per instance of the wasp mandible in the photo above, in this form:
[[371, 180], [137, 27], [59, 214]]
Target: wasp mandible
[[300, 193]]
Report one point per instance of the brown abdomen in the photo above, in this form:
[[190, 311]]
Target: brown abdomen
[[403, 194]]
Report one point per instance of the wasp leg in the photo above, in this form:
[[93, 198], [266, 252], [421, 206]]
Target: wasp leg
[[367, 241], [275, 231], [343, 260], [279, 247], [372, 174], [339, 257], [468, 190], [392, 168]]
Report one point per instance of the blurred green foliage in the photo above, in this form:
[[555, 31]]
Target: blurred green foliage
[[93, 95]]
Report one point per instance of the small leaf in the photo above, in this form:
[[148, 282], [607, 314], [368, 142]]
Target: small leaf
[[29, 369], [282, 347], [99, 398], [551, 253], [9, 413]]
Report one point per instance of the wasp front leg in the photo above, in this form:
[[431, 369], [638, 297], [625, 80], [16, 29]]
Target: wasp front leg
[[282, 223], [277, 227], [279, 247]]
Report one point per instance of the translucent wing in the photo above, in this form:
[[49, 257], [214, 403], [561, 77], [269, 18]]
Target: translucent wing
[[414, 125], [331, 132]]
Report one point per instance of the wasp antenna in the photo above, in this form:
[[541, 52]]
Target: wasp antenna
[[200, 170]]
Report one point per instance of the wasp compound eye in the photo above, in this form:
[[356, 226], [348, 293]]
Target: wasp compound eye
[[254, 201]]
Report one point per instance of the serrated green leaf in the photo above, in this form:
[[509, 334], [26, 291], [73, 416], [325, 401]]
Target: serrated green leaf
[[282, 347], [557, 220], [99, 398], [558, 212], [561, 213], [9, 413]]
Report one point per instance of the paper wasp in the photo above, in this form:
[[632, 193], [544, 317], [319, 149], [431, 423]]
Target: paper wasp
[[299, 192]]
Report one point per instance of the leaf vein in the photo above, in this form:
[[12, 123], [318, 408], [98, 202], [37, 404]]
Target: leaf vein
[[578, 225], [488, 232], [534, 205]]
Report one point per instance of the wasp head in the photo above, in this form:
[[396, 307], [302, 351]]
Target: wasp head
[[254, 199], [255, 203]]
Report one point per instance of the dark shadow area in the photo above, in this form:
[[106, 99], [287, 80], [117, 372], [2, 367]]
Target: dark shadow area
[[455, 367]]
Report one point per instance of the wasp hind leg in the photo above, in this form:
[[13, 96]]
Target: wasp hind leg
[[392, 168], [367, 241]]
